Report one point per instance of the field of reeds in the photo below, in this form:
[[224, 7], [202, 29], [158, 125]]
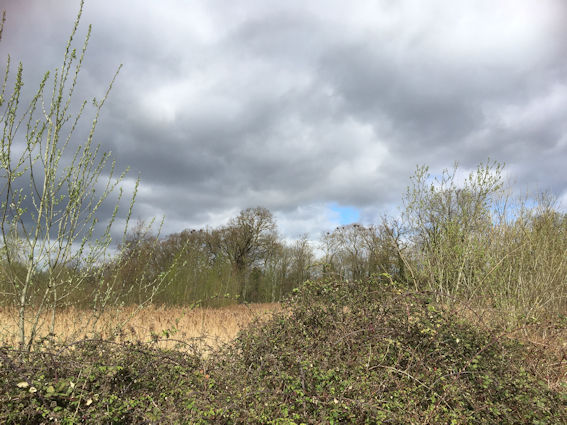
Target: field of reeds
[[165, 326], [206, 329]]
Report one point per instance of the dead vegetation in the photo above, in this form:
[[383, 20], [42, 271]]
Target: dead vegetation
[[167, 326]]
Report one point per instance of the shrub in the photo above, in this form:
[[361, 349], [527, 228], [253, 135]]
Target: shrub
[[374, 352]]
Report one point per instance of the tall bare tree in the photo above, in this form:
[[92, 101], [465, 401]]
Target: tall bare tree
[[246, 240]]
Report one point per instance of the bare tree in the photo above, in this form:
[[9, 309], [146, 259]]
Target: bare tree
[[347, 250], [246, 240]]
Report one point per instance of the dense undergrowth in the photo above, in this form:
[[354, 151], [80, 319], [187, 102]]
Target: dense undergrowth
[[340, 352]]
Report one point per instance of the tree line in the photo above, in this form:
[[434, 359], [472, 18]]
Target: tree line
[[242, 261], [469, 240]]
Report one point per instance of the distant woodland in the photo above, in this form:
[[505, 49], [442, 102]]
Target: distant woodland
[[467, 241]]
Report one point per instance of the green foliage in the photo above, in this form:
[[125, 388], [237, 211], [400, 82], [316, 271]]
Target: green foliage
[[372, 351], [96, 382], [340, 352]]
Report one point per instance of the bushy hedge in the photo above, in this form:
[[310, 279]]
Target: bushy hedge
[[362, 352]]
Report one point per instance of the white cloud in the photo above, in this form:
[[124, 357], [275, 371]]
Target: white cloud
[[294, 105]]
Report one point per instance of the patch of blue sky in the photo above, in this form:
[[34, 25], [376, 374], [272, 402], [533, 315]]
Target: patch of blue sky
[[346, 214], [514, 207]]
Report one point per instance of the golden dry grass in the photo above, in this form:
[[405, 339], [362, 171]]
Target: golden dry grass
[[207, 328], [166, 326], [546, 340]]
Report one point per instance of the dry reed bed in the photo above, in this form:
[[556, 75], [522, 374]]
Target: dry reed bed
[[207, 328], [546, 340], [166, 326]]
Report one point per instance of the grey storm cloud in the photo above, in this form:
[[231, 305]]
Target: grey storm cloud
[[296, 107]]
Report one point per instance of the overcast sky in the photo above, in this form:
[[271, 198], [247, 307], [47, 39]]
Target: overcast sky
[[319, 110]]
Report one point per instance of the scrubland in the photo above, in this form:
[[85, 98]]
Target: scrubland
[[370, 352], [453, 312]]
